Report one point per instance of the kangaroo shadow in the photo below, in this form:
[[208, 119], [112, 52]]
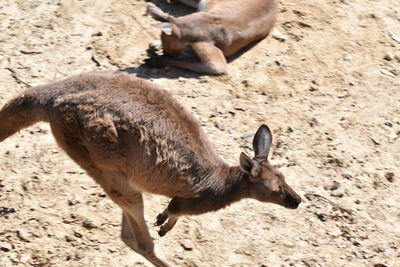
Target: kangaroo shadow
[[176, 8]]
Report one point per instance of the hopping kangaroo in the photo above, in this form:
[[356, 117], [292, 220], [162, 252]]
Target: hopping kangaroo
[[131, 137], [220, 29]]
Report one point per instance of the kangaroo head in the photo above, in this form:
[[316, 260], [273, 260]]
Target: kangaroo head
[[267, 184], [171, 38]]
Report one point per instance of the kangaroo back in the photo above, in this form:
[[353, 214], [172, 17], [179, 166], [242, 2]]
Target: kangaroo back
[[20, 112]]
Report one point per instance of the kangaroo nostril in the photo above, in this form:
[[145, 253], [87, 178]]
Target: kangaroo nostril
[[292, 202]]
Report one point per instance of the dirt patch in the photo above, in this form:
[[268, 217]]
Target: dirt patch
[[330, 93]]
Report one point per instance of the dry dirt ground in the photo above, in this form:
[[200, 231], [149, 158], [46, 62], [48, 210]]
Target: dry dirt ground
[[330, 93]]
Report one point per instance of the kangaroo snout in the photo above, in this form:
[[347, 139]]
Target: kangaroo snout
[[292, 201]]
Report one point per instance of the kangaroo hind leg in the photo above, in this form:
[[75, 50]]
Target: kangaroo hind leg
[[135, 234]]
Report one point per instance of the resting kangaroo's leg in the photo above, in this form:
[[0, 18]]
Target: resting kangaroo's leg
[[135, 234], [212, 60]]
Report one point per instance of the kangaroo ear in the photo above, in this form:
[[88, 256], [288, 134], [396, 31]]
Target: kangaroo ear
[[248, 165], [165, 27], [262, 141]]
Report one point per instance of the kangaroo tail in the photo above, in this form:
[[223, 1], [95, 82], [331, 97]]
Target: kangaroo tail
[[20, 112]]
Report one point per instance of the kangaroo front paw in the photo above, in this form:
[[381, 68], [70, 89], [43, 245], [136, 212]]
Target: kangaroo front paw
[[162, 232], [161, 218], [166, 227]]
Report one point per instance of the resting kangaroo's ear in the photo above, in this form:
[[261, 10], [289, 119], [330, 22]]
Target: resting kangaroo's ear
[[165, 27], [262, 141]]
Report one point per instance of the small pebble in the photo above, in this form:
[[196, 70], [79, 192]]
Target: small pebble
[[88, 224], [337, 192], [77, 234], [69, 239], [34, 4], [245, 136], [347, 57], [6, 211], [388, 56], [24, 258], [388, 123], [335, 185], [47, 204], [5, 246], [347, 176], [243, 251], [186, 244], [278, 35], [288, 243], [389, 176], [220, 125]]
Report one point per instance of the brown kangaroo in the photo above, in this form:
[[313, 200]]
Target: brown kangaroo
[[220, 29], [132, 136]]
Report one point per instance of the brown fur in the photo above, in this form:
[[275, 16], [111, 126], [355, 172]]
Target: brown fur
[[220, 29], [131, 137]]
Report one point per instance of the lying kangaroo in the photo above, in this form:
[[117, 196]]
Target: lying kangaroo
[[220, 29], [131, 137]]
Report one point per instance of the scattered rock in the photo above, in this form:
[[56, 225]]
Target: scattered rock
[[347, 176], [5, 246], [113, 249], [388, 56], [288, 243], [389, 176], [220, 125], [77, 234], [73, 200], [387, 73], [243, 251], [239, 107], [335, 185], [47, 204], [395, 36], [69, 239], [186, 244], [347, 57], [337, 192], [278, 35], [88, 224], [245, 136], [79, 256], [37, 186], [6, 211], [25, 258], [23, 236], [388, 123], [34, 4]]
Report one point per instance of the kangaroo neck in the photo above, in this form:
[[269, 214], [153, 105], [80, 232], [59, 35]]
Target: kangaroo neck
[[234, 186]]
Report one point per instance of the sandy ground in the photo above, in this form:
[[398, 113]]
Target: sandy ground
[[330, 93]]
